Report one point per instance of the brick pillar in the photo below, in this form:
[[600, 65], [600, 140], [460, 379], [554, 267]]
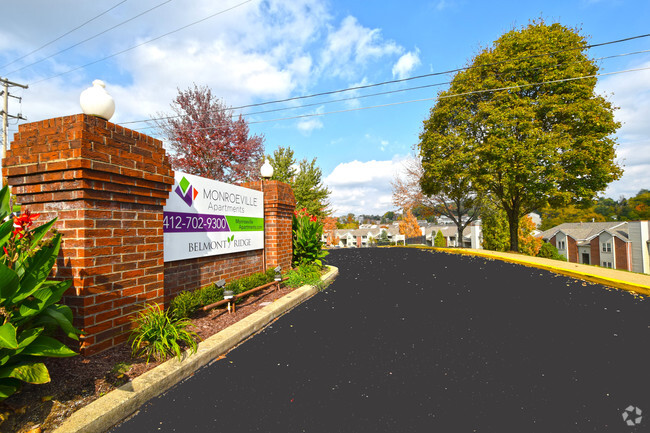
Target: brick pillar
[[107, 185], [279, 204]]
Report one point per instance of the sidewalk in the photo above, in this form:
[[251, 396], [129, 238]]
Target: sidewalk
[[625, 280]]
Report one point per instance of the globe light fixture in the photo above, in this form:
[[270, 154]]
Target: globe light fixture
[[267, 170], [96, 101]]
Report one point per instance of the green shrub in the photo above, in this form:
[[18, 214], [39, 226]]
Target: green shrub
[[439, 240], [255, 280], [302, 275], [185, 304], [210, 294], [29, 310], [548, 251], [157, 334]]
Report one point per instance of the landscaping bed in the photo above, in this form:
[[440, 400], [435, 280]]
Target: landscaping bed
[[77, 381]]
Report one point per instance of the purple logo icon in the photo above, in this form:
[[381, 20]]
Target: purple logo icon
[[186, 191]]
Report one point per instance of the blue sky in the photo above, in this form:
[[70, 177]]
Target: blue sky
[[263, 51]]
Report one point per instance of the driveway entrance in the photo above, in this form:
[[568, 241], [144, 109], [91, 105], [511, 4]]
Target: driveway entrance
[[407, 340]]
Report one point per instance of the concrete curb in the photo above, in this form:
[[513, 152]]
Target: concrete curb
[[606, 281], [105, 412]]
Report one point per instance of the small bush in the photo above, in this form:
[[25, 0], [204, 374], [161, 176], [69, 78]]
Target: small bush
[[157, 334], [210, 294], [185, 304], [302, 275], [548, 251], [439, 240], [254, 280]]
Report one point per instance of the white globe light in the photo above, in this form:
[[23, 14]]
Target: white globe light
[[266, 170], [96, 101]]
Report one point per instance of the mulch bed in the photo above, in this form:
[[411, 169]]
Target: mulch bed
[[77, 381]]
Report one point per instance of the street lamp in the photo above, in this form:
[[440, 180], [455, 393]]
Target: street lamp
[[267, 172]]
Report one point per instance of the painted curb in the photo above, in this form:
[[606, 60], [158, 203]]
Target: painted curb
[[109, 410], [606, 281]]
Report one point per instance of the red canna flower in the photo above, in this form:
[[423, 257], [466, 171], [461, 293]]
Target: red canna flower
[[23, 222]]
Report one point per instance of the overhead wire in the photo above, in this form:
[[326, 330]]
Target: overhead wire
[[90, 38], [142, 43], [320, 103], [436, 97], [401, 80], [63, 35]]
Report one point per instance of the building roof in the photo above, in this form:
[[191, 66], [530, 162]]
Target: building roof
[[584, 231]]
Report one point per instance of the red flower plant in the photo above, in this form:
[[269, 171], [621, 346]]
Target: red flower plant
[[23, 222]]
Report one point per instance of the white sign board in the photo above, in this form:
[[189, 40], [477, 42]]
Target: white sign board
[[204, 217]]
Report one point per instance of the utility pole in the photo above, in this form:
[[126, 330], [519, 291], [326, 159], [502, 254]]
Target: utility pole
[[5, 111], [5, 114]]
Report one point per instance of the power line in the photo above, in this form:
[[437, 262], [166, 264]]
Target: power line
[[144, 43], [456, 95], [370, 94], [63, 35], [367, 86], [90, 38], [302, 116]]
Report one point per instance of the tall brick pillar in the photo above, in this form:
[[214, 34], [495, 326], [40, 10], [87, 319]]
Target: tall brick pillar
[[279, 204], [107, 185]]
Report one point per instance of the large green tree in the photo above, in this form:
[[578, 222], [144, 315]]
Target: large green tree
[[526, 122], [306, 179]]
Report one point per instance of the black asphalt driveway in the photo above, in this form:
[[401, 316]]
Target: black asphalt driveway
[[414, 341]]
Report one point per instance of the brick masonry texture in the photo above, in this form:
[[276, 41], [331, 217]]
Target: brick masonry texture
[[107, 185]]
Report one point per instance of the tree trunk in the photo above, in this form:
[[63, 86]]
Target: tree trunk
[[513, 223], [459, 236]]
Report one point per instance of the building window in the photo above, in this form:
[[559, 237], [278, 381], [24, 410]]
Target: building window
[[560, 245], [607, 265], [607, 247]]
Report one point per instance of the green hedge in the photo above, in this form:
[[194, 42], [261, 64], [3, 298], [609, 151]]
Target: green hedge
[[188, 302]]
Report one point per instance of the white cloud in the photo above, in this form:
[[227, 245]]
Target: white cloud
[[631, 92], [257, 51], [352, 46], [307, 125], [406, 64], [363, 187]]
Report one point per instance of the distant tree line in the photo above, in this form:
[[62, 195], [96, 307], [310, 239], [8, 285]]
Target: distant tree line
[[604, 209]]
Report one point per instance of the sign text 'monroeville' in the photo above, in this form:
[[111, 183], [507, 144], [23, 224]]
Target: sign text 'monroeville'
[[203, 217]]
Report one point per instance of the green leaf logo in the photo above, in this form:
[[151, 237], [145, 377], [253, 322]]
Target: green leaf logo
[[231, 238]]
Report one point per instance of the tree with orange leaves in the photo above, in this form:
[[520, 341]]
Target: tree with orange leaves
[[408, 226], [528, 244]]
